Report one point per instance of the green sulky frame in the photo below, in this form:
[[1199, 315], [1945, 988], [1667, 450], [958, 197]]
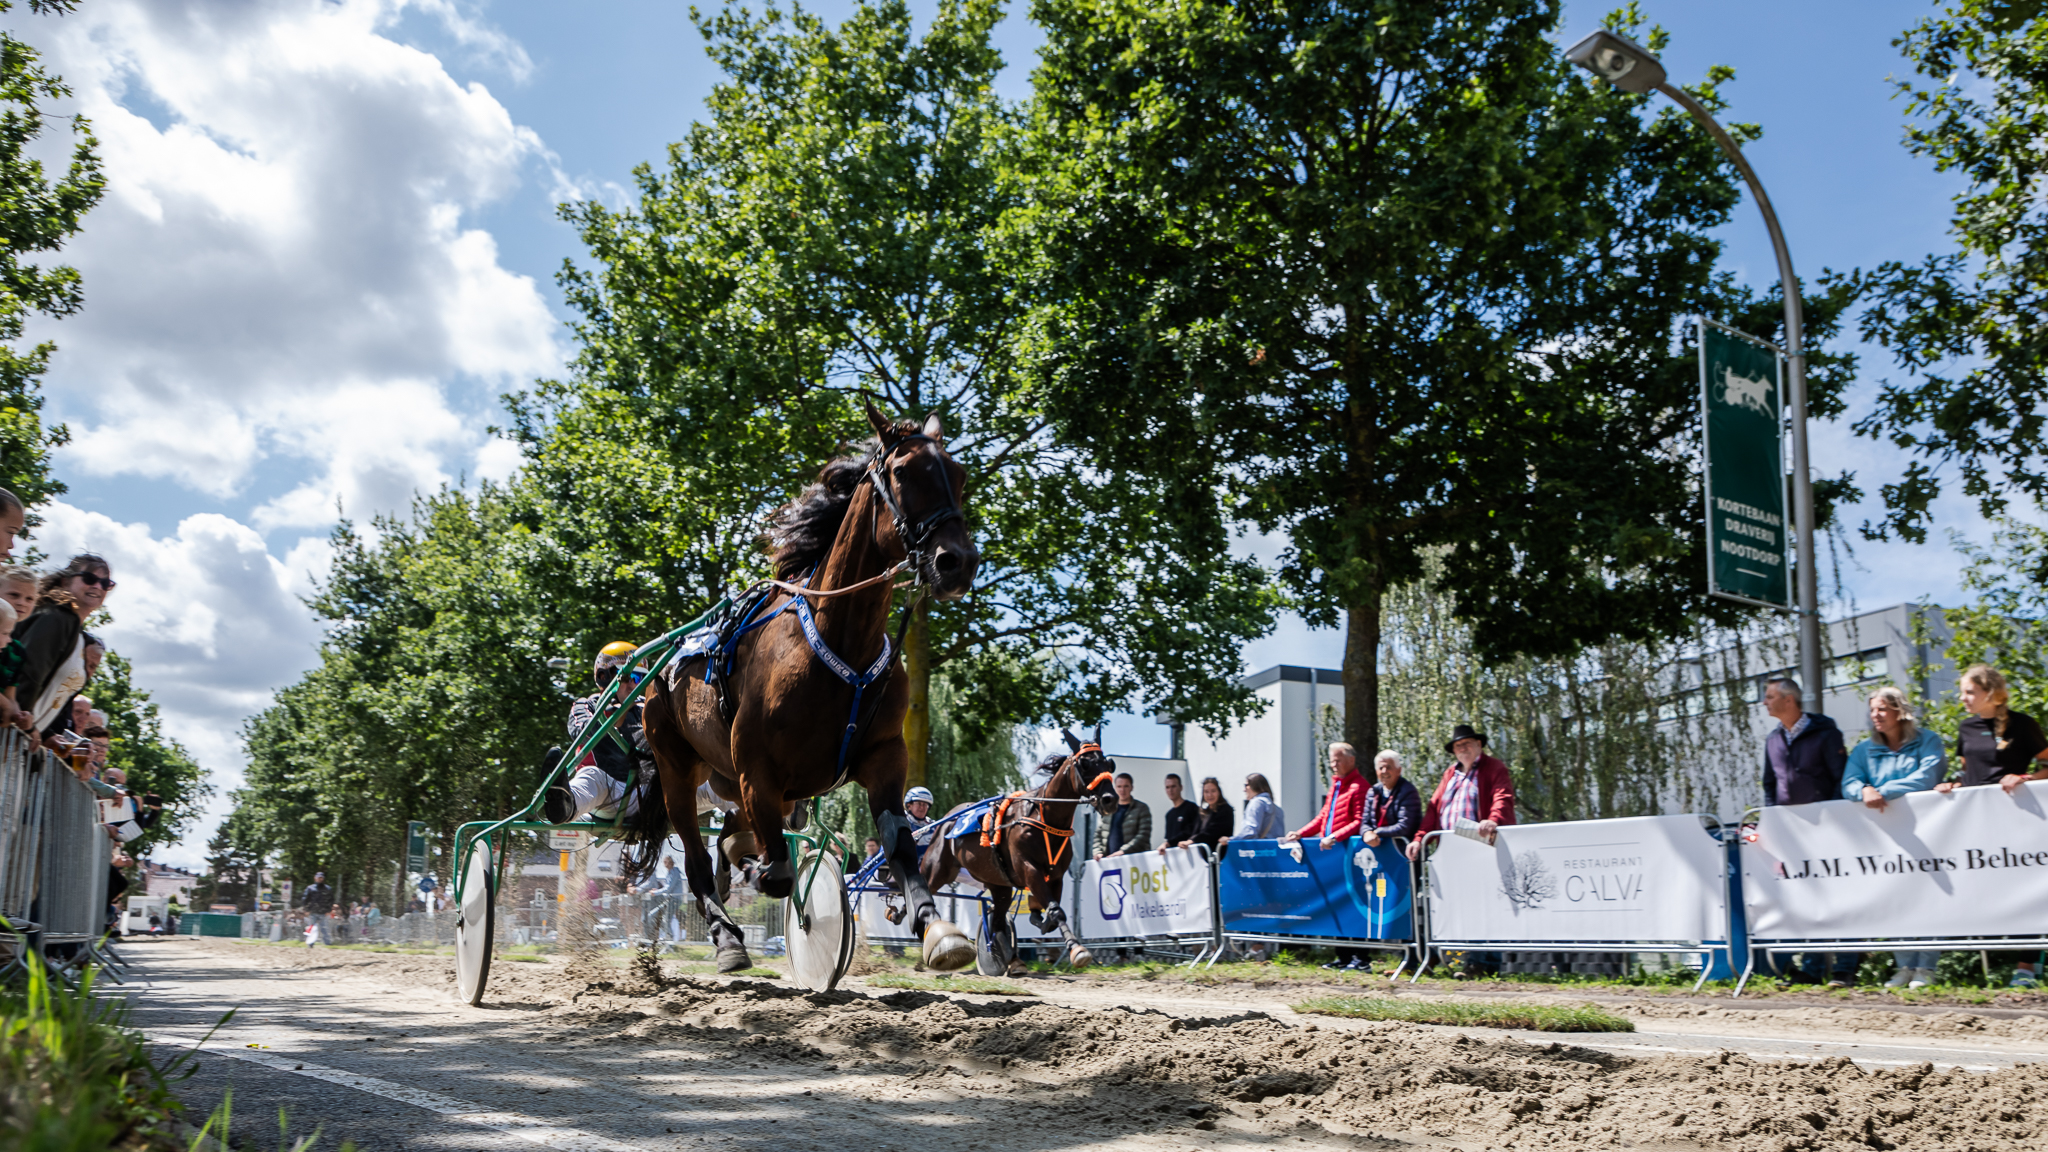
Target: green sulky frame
[[658, 654]]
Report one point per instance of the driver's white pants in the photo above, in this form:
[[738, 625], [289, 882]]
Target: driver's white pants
[[709, 801], [595, 791]]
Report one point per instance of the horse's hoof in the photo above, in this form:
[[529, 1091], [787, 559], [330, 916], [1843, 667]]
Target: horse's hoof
[[734, 959], [776, 881], [946, 948], [1079, 958]]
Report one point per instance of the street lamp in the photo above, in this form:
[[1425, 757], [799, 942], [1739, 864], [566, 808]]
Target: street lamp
[[1630, 67]]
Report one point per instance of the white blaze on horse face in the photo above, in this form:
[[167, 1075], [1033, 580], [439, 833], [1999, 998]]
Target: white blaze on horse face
[[934, 429], [1745, 392]]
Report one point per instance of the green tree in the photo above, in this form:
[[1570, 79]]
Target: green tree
[[37, 215], [153, 762], [1963, 323], [832, 233], [433, 699], [1393, 280]]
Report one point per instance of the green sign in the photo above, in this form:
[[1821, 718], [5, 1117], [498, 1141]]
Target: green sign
[[416, 846], [1741, 402]]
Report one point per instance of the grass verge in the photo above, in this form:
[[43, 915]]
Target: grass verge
[[74, 1075], [1531, 1017], [979, 985]]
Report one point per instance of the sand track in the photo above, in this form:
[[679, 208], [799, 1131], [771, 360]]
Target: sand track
[[1033, 1074]]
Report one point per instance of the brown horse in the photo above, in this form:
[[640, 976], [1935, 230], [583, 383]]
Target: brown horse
[[1028, 844], [799, 727]]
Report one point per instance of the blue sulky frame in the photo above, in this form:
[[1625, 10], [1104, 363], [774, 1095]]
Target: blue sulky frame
[[657, 655]]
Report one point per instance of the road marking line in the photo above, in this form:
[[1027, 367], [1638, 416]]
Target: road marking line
[[542, 1132], [2017, 1055]]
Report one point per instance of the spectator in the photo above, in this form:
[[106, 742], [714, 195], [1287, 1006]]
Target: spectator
[[1393, 808], [870, 849], [317, 901], [1804, 759], [1182, 815], [1476, 787], [18, 588], [1217, 815], [1997, 745], [1262, 819], [53, 638], [13, 519], [1900, 757], [1343, 808], [1129, 830], [668, 891], [371, 916], [18, 592], [1804, 755]]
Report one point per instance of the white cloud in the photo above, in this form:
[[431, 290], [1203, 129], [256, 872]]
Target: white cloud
[[281, 269]]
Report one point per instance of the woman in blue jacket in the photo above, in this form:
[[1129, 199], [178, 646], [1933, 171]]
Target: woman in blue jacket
[[1902, 757]]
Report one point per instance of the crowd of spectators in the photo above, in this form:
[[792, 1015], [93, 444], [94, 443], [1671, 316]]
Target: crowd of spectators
[[46, 666], [1805, 761]]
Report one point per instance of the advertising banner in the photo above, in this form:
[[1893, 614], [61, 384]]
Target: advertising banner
[[957, 902], [1348, 893], [1644, 878], [1973, 862], [1149, 894], [1740, 402]]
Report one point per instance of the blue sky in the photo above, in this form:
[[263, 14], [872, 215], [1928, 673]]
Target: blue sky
[[330, 243]]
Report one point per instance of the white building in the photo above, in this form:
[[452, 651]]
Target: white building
[[1282, 743]]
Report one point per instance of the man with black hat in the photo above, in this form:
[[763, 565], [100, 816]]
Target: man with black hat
[[1476, 787]]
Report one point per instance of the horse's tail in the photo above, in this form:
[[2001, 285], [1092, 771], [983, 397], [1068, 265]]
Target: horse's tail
[[647, 829]]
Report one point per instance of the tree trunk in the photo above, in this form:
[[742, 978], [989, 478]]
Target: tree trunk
[[917, 668], [1362, 675]]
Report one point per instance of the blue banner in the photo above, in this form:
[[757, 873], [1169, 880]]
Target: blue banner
[[1347, 893]]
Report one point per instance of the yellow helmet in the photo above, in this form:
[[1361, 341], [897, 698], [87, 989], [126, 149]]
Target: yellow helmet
[[610, 659]]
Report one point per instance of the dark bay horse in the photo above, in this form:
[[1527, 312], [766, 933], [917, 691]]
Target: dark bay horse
[[1029, 845], [800, 727]]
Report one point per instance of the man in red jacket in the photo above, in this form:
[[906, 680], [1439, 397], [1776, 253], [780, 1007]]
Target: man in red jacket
[[1476, 787], [1344, 810]]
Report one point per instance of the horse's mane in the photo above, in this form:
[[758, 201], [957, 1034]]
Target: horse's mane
[[801, 532]]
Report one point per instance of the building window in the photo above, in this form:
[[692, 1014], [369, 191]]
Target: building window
[[1842, 671]]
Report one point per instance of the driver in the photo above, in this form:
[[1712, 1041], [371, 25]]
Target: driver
[[918, 803], [599, 783]]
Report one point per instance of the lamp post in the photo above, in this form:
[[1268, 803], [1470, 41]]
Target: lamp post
[[1630, 67]]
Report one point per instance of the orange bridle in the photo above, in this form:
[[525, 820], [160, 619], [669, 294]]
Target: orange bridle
[[995, 821]]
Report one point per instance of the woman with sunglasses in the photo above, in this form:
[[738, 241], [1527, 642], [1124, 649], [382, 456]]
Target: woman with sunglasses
[[53, 641]]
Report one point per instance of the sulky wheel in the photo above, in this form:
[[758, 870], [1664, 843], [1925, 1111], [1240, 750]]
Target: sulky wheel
[[820, 951], [992, 956], [475, 921]]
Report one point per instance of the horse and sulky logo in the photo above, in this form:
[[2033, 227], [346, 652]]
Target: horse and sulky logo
[[1746, 392]]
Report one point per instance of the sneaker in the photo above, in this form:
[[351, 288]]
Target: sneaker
[[1838, 982], [1922, 978], [2021, 978], [1336, 966], [559, 805], [1358, 966], [1901, 977]]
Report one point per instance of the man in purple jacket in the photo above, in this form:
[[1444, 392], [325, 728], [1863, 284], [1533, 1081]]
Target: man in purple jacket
[[1803, 762]]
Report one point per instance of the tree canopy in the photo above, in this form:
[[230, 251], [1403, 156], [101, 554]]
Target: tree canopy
[[1390, 280]]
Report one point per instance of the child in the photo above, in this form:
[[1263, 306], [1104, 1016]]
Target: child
[[18, 599]]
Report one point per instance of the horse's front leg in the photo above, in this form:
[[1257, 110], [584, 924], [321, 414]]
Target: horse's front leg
[[680, 767], [1045, 894], [776, 879]]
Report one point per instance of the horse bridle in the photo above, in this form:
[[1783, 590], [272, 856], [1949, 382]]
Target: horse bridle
[[916, 537]]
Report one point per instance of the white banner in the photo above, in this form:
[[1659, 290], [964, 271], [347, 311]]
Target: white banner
[[1163, 893], [1973, 862], [958, 903], [1644, 878]]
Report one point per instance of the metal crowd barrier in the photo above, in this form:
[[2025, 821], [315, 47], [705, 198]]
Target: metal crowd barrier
[[1167, 946], [55, 861], [1431, 946], [1408, 948]]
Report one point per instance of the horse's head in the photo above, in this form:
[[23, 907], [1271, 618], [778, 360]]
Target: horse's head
[[1094, 773], [925, 493]]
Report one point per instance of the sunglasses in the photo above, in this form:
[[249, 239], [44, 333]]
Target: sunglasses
[[97, 580]]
